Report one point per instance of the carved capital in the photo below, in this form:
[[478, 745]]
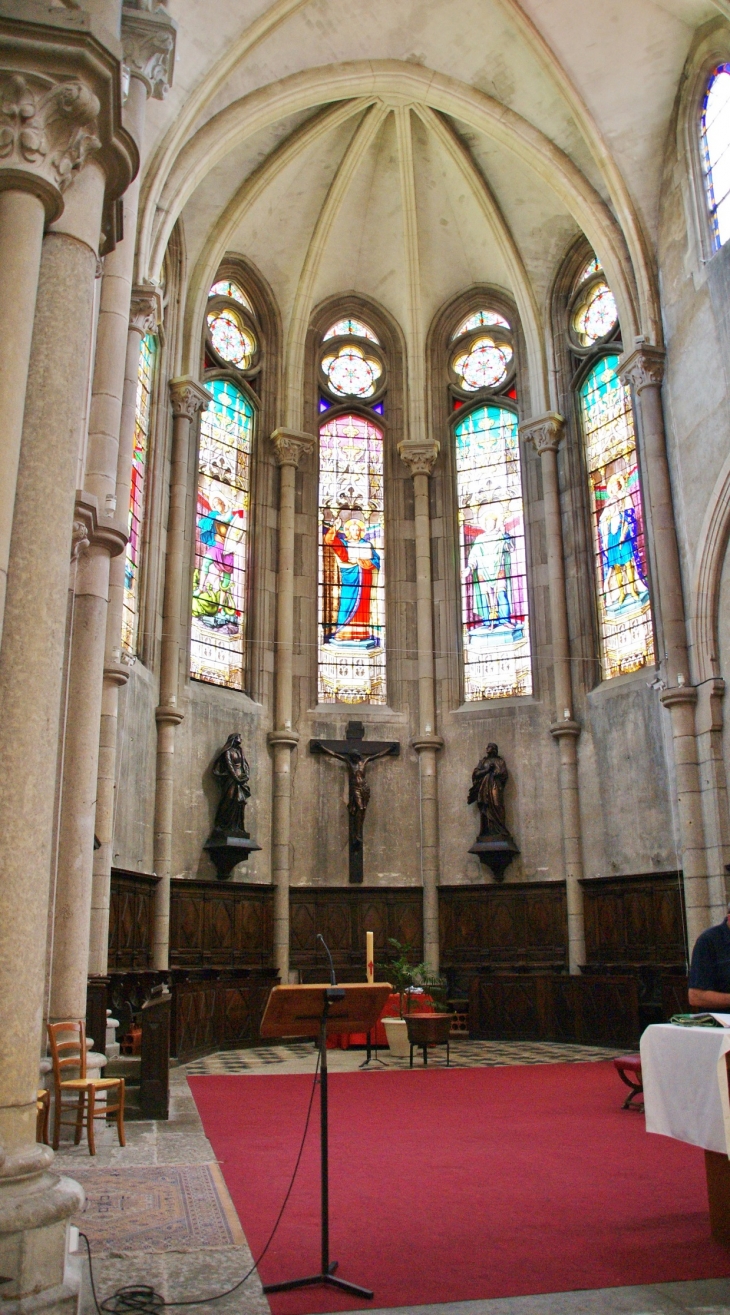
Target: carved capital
[[145, 309], [187, 397], [148, 42], [290, 446], [419, 454], [545, 432], [48, 130], [643, 368]]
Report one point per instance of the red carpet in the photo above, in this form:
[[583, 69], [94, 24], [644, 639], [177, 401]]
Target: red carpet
[[450, 1185]]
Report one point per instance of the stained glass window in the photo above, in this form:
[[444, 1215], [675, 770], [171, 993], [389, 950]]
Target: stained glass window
[[485, 364], [350, 329], [130, 607], [351, 373], [715, 147], [227, 288], [482, 319], [351, 603], [232, 341], [495, 621], [595, 315], [221, 541], [617, 515], [592, 267]]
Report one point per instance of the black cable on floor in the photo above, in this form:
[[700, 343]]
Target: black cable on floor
[[143, 1300]]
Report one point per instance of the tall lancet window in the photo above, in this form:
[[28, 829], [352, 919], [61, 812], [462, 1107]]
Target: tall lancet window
[[220, 576], [492, 559], [715, 151], [614, 485], [140, 453], [351, 577]]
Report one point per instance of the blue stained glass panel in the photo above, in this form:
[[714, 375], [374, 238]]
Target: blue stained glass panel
[[495, 619], [617, 514]]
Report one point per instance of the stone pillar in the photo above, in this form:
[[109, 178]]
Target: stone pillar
[[187, 398], [546, 432], [419, 456], [126, 314], [643, 369], [59, 110], [289, 448]]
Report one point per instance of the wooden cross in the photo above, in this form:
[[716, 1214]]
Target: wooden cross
[[356, 752]]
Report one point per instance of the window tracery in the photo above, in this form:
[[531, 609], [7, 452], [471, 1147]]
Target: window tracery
[[715, 152], [495, 623], [140, 454], [626, 635], [220, 576], [351, 527]]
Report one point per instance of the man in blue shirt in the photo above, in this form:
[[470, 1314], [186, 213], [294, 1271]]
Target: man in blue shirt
[[709, 974]]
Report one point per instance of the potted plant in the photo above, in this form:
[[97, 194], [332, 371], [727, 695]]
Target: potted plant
[[404, 976]]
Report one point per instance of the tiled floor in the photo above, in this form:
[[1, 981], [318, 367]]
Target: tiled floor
[[301, 1058], [185, 1275]]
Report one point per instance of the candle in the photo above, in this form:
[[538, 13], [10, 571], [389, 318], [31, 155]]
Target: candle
[[370, 956]]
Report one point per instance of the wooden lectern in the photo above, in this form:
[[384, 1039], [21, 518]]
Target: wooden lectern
[[316, 1011]]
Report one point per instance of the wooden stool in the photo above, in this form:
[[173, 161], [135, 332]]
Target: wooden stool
[[43, 1110], [429, 1030], [625, 1066]]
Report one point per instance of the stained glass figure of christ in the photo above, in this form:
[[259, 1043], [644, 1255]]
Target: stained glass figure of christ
[[351, 602], [221, 540], [624, 605], [145, 375], [495, 622]]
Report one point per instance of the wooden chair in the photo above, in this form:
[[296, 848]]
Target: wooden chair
[[42, 1108], [68, 1050]]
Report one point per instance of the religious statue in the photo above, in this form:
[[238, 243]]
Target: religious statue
[[494, 845], [229, 842], [356, 752]]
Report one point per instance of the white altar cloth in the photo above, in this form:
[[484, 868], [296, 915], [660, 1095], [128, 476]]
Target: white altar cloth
[[686, 1084]]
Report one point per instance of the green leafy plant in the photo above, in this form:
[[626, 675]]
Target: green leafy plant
[[404, 975]]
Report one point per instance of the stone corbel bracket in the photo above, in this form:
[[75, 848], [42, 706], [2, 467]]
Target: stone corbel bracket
[[148, 39], [88, 531], [146, 308]]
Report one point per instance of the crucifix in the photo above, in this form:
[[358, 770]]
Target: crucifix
[[356, 752]]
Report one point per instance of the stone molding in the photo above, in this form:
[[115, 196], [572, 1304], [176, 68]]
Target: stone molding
[[419, 454], [545, 432], [187, 397], [116, 672], [168, 716], [289, 739], [290, 446], [562, 729], [644, 367], [422, 742], [48, 130], [145, 309], [677, 695], [148, 42], [90, 532]]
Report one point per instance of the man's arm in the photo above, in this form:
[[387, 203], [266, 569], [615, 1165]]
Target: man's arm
[[712, 1000]]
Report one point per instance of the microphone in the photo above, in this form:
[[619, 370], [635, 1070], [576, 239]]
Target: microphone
[[333, 979]]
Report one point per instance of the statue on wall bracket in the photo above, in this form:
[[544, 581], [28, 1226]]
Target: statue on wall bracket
[[229, 842], [494, 845]]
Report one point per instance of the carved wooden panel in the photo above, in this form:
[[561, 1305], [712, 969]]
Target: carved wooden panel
[[634, 920], [517, 925], [213, 925], [218, 1014], [555, 1007], [342, 915], [131, 920]]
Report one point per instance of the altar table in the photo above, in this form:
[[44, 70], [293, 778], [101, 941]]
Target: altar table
[[685, 1074], [420, 1002]]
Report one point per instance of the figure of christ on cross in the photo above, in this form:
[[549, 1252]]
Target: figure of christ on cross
[[356, 752]]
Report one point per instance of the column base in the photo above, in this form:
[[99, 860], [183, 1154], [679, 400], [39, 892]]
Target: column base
[[35, 1206]]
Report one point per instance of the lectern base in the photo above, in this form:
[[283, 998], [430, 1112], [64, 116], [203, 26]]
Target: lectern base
[[329, 1279]]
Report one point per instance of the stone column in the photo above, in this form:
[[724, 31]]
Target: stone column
[[187, 398], [643, 369], [289, 448], [419, 456], [62, 141], [546, 432]]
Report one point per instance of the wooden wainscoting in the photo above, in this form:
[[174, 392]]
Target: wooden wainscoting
[[516, 926], [131, 920], [635, 919], [220, 925], [597, 1011], [342, 915], [222, 1013]]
